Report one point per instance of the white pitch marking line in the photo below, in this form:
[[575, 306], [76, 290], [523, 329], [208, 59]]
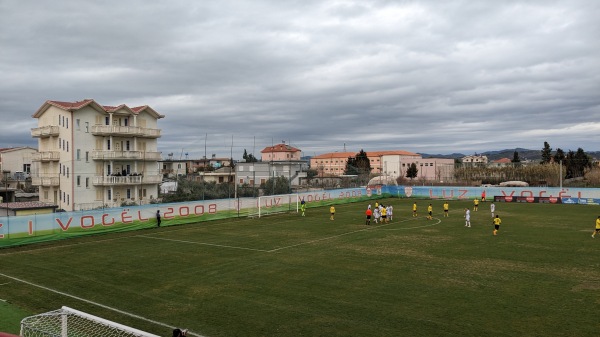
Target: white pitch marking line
[[203, 243], [337, 236], [94, 303]]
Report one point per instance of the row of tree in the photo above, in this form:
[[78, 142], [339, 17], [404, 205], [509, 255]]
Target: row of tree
[[576, 163]]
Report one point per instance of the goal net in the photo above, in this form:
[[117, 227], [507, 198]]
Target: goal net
[[67, 322], [274, 204]]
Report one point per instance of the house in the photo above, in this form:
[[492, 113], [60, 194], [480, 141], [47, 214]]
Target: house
[[502, 162], [257, 173], [334, 163], [475, 159], [280, 152], [26, 208], [92, 155], [18, 161]]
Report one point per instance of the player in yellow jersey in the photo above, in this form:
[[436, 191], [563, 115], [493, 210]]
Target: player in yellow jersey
[[332, 211], [414, 209], [446, 209], [384, 214], [597, 227], [430, 212], [497, 223], [475, 205]]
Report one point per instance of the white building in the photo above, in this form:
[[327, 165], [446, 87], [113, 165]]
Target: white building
[[257, 173], [430, 169], [18, 161], [92, 155]]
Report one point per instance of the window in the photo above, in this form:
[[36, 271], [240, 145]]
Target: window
[[87, 127], [125, 121], [78, 180], [109, 194], [78, 155], [67, 172], [67, 119], [128, 193], [45, 195], [87, 182], [67, 146], [106, 120], [78, 124], [108, 169], [108, 144], [59, 143], [27, 168], [87, 156], [68, 199], [127, 145]]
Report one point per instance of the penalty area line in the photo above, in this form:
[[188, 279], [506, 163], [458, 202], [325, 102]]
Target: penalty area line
[[203, 243], [416, 227], [94, 303]]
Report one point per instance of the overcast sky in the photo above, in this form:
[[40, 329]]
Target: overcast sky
[[424, 76]]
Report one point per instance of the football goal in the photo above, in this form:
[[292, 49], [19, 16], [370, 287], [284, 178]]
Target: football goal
[[67, 322], [274, 204]]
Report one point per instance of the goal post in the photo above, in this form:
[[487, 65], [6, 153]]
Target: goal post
[[274, 204], [67, 322]]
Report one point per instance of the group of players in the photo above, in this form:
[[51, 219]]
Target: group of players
[[380, 213], [383, 214]]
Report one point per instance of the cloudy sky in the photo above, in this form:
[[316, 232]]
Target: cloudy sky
[[424, 76]]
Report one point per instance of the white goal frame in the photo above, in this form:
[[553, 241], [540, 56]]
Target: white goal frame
[[67, 322], [276, 204]]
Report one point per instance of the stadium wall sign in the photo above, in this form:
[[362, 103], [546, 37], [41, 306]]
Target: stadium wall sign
[[17, 230], [452, 192]]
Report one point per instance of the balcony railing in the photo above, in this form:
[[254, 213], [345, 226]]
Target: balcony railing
[[46, 156], [130, 131], [125, 155], [45, 131], [45, 181], [126, 180]]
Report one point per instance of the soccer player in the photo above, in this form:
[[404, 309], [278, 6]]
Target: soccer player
[[390, 211], [597, 227], [446, 208], [383, 214], [415, 209], [467, 217], [332, 211], [492, 208], [483, 196], [475, 205], [497, 223], [303, 207], [376, 214], [430, 212], [368, 212]]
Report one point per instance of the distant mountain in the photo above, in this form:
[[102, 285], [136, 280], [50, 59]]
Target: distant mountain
[[524, 154]]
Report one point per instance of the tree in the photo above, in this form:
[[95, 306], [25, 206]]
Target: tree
[[412, 171], [559, 156], [516, 158], [249, 158], [546, 153], [360, 166], [276, 185]]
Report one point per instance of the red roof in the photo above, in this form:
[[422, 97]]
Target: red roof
[[280, 148], [74, 106], [503, 161]]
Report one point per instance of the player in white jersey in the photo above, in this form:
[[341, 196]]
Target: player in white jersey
[[376, 214], [467, 217], [492, 208], [390, 211]]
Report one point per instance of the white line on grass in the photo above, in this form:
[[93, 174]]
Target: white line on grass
[[94, 303], [202, 243], [347, 233]]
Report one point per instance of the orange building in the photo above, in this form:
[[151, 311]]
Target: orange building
[[334, 163]]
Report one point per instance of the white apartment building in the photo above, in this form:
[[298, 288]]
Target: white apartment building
[[17, 160], [93, 156]]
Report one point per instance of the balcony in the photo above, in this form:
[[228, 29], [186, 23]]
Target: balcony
[[45, 181], [44, 131], [126, 131], [46, 156], [125, 155], [126, 180]]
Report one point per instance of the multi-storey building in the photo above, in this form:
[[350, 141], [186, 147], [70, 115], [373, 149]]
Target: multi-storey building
[[334, 163], [18, 161], [93, 156]]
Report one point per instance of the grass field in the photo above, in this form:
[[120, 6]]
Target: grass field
[[288, 275]]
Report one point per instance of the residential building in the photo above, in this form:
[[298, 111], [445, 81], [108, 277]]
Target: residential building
[[475, 159], [334, 163], [18, 161], [502, 162], [257, 173], [280, 152], [92, 156]]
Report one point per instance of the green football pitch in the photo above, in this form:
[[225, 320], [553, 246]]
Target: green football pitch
[[288, 275]]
